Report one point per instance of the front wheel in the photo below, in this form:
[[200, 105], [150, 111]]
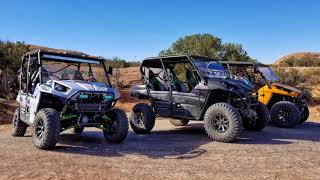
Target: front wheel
[[222, 122], [261, 120], [116, 129], [46, 128], [285, 114]]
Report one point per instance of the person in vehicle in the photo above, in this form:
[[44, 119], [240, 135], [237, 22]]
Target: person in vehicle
[[240, 76], [177, 84], [191, 80]]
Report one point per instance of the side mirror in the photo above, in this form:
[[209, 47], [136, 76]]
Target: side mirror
[[110, 70]]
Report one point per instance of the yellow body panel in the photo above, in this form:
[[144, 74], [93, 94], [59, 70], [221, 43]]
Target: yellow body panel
[[265, 93]]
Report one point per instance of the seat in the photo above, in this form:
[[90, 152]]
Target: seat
[[178, 85], [65, 76], [155, 84], [45, 75], [77, 75]]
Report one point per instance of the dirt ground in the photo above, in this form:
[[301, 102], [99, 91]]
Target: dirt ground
[[168, 152]]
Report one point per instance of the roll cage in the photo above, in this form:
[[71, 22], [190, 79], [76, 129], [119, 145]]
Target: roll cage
[[38, 56], [157, 62]]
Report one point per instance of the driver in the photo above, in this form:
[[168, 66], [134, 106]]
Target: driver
[[240, 76]]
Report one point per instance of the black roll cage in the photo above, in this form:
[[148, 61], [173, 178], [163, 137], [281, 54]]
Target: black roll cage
[[175, 58]]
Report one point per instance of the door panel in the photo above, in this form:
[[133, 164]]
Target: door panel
[[24, 109], [162, 102], [186, 105], [33, 103]]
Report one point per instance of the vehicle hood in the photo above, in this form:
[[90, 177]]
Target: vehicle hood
[[74, 86], [84, 85], [240, 84], [286, 87], [243, 87]]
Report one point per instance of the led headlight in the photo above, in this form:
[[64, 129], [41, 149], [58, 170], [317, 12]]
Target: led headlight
[[108, 97], [227, 85], [60, 87]]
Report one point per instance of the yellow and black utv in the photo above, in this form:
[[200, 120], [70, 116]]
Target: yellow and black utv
[[287, 104]]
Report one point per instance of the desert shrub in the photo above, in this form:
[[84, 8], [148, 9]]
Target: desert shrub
[[298, 77], [289, 76], [116, 82], [312, 76], [10, 60], [121, 63], [307, 60]]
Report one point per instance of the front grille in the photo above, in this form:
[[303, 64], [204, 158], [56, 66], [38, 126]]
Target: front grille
[[91, 107], [93, 101]]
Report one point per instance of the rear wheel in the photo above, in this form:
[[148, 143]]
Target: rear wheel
[[304, 114], [116, 130], [179, 122], [222, 123], [18, 127], [285, 114], [263, 117], [46, 128], [142, 118]]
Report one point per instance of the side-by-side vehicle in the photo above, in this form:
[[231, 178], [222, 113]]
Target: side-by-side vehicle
[[287, 104], [196, 88], [60, 91]]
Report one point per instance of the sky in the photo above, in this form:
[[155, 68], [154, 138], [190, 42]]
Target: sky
[[136, 29]]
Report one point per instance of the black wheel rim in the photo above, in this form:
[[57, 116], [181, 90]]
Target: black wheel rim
[[39, 128], [220, 123], [138, 119], [284, 115], [112, 127]]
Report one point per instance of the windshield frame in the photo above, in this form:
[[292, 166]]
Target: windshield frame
[[73, 59], [269, 81]]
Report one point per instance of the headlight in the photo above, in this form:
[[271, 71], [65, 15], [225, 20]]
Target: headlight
[[108, 97], [228, 86], [60, 87]]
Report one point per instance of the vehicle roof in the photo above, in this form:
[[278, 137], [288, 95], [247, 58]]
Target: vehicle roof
[[244, 63], [154, 61], [178, 56], [61, 56]]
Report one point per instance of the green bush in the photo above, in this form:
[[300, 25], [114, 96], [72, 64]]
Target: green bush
[[10, 60], [207, 45], [121, 63]]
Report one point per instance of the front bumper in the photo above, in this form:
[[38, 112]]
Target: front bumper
[[92, 101]]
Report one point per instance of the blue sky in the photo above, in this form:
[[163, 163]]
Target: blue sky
[[137, 29]]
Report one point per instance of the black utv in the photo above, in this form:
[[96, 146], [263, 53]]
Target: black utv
[[187, 88]]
